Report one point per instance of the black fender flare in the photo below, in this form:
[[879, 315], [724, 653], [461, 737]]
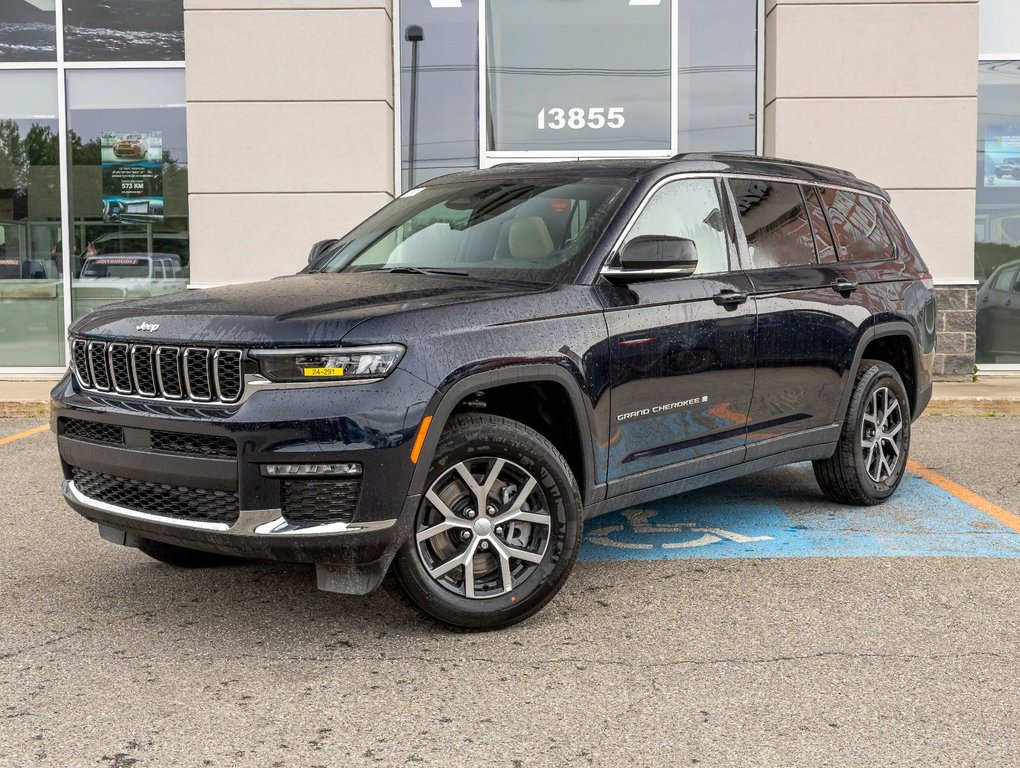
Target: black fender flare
[[878, 331], [443, 403]]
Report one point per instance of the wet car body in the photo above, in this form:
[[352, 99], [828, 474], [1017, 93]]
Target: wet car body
[[658, 387]]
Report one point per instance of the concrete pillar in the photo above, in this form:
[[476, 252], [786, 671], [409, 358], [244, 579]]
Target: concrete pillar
[[290, 129], [888, 90]]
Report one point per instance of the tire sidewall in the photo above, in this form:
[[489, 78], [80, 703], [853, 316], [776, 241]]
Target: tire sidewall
[[876, 377], [501, 440]]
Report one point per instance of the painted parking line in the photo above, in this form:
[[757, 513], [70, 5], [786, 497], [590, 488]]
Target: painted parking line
[[781, 513], [26, 433]]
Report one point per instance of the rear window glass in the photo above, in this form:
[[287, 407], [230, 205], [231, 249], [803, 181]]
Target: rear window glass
[[858, 224], [775, 223]]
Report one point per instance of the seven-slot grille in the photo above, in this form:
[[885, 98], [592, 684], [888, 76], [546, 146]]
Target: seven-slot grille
[[175, 373]]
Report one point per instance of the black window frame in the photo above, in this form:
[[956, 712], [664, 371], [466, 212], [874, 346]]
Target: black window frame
[[883, 205]]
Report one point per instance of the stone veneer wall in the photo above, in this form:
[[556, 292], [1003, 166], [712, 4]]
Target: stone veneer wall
[[957, 336]]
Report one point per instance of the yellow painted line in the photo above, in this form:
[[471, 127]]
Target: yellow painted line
[[26, 433], [1007, 518]]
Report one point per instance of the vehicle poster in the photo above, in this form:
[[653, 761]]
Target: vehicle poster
[[132, 166], [1002, 156]]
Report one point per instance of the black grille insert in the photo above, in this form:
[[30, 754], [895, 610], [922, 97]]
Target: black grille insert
[[120, 368], [168, 369], [197, 381], [97, 365], [202, 445], [144, 373], [320, 501], [94, 431], [195, 504]]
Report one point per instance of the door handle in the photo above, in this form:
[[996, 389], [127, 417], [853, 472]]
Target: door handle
[[844, 286], [727, 297]]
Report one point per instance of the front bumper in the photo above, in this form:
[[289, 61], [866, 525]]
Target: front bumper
[[371, 424]]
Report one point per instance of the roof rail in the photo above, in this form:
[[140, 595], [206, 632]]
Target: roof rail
[[762, 159]]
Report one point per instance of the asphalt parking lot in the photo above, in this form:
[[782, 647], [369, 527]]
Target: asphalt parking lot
[[750, 624]]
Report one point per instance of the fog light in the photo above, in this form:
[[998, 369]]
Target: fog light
[[347, 469]]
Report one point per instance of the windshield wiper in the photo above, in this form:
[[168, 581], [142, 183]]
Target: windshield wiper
[[424, 271]]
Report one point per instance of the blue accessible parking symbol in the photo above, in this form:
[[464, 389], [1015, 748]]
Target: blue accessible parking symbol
[[781, 513]]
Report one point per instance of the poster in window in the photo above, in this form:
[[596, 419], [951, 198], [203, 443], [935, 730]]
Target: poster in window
[[1002, 156], [132, 177]]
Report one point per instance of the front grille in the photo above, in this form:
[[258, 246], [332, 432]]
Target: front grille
[[179, 502], [320, 501], [95, 431], [196, 374], [202, 445]]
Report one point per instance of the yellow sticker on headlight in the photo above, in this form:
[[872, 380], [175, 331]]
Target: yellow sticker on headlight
[[323, 372]]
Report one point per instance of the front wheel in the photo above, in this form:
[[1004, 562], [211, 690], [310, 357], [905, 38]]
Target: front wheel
[[498, 528], [871, 454]]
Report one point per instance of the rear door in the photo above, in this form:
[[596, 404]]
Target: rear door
[[681, 349], [807, 325]]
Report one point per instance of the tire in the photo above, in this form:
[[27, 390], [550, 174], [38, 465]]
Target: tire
[[865, 471], [521, 550], [183, 557]]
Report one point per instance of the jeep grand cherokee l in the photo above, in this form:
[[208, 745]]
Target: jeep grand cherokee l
[[452, 387]]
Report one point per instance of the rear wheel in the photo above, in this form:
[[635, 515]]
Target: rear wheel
[[498, 527], [871, 454], [182, 557]]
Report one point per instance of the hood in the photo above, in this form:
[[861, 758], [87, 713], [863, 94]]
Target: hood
[[288, 311]]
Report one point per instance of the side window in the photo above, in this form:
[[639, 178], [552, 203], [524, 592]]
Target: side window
[[688, 208], [857, 222], [1005, 280], [775, 223], [819, 226]]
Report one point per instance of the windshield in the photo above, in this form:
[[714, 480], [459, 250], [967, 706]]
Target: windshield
[[524, 229]]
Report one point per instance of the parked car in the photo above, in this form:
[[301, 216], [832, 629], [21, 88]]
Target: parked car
[[998, 312], [453, 386]]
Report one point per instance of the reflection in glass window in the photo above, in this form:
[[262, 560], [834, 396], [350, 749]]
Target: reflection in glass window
[[689, 209], [775, 223], [124, 30], [819, 226], [129, 185], [997, 228], [446, 100], [31, 293], [563, 75], [717, 80], [28, 30], [859, 223]]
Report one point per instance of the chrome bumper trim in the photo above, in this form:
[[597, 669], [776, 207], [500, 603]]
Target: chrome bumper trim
[[254, 522], [70, 489]]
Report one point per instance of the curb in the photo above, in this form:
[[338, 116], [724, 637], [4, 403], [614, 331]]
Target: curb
[[24, 409], [973, 406]]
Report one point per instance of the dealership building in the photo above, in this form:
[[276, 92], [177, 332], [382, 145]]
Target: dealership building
[[148, 146]]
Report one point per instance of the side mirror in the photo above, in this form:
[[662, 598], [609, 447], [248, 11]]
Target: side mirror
[[654, 257], [319, 248]]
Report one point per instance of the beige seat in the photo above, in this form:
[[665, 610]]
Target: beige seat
[[529, 239]]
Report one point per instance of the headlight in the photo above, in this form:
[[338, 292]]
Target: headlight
[[353, 363]]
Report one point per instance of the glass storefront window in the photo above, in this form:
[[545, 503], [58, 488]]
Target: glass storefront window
[[123, 30], [28, 30], [31, 293], [129, 185], [446, 94], [563, 75], [563, 79], [997, 227]]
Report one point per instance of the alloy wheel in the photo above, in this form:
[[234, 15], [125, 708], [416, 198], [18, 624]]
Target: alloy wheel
[[882, 434], [484, 527]]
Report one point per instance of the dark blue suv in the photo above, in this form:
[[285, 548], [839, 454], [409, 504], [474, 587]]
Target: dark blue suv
[[453, 386]]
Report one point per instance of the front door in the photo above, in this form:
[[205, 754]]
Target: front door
[[682, 350]]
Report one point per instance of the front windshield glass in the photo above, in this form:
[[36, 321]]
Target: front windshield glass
[[523, 229]]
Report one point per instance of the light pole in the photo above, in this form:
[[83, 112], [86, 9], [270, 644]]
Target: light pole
[[414, 35]]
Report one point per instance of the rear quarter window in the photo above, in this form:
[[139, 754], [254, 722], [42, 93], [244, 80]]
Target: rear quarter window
[[860, 224]]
